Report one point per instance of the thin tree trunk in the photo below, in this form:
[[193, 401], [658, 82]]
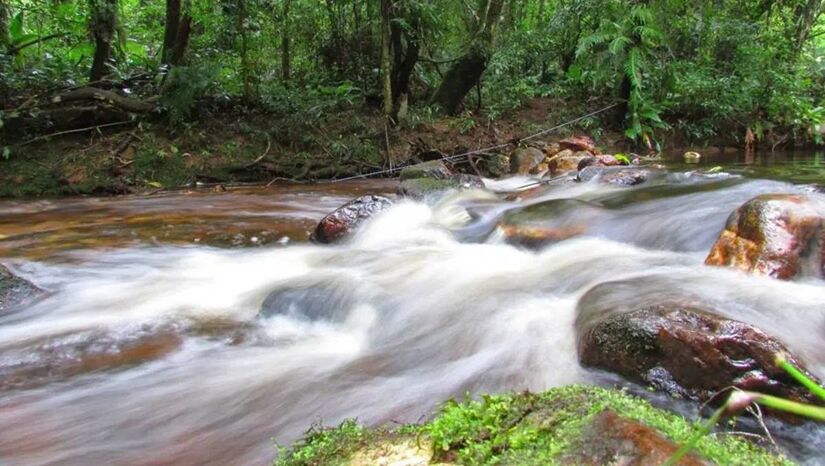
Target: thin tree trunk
[[171, 30], [245, 72], [386, 63], [5, 40], [181, 40], [103, 24], [467, 70], [286, 69], [807, 15]]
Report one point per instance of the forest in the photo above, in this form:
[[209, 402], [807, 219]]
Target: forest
[[260, 89]]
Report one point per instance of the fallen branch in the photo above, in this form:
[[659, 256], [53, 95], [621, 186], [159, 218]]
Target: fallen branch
[[112, 98], [17, 49]]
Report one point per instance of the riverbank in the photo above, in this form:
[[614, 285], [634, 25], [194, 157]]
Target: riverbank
[[229, 144], [568, 425]]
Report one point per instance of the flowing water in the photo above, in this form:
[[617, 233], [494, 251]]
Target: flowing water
[[201, 327]]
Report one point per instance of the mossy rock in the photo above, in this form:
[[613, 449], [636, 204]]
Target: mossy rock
[[422, 189], [553, 427], [434, 169]]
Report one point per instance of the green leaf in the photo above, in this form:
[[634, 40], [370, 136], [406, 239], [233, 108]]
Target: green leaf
[[16, 26]]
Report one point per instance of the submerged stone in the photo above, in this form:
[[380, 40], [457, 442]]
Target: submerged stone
[[15, 291], [346, 219]]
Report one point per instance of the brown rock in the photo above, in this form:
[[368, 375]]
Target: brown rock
[[610, 438], [344, 220], [552, 149], [579, 143], [567, 161], [687, 352], [772, 235], [525, 159], [537, 236]]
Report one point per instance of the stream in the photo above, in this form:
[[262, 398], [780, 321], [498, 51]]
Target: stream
[[150, 346]]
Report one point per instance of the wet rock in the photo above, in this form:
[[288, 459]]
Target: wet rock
[[495, 165], [525, 159], [597, 161], [61, 357], [551, 149], [610, 438], [547, 222], [579, 143], [778, 235], [692, 157], [426, 188], [567, 161], [435, 169], [316, 301], [15, 291], [686, 352], [621, 177], [344, 220]]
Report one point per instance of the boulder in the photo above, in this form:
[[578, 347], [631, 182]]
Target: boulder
[[597, 161], [344, 220], [495, 165], [610, 438], [525, 159], [620, 176], [546, 222], [567, 161], [15, 291], [551, 149], [435, 169], [692, 157], [421, 189], [686, 352], [778, 235], [579, 143]]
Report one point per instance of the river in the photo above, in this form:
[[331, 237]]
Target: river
[[148, 347]]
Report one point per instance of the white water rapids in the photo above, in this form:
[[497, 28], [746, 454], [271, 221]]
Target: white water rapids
[[383, 328]]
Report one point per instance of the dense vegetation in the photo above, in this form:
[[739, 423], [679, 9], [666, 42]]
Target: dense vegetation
[[742, 71]]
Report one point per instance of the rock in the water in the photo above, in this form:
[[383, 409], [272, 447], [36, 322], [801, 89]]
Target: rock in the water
[[567, 161], [495, 165], [692, 157], [427, 188], [779, 235], [597, 161], [525, 159], [686, 352], [579, 143], [344, 220], [14, 291], [620, 176], [317, 301], [547, 222], [610, 438], [434, 169]]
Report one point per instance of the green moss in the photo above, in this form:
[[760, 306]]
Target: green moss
[[524, 429]]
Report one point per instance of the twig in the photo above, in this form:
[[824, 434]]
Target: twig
[[261, 157], [757, 413], [73, 131]]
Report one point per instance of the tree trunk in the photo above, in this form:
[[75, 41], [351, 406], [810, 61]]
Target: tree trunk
[[246, 76], [806, 16], [5, 40], [103, 24], [171, 31], [467, 70], [386, 63], [286, 67], [181, 40]]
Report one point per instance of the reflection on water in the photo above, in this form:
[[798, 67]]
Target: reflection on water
[[160, 343]]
